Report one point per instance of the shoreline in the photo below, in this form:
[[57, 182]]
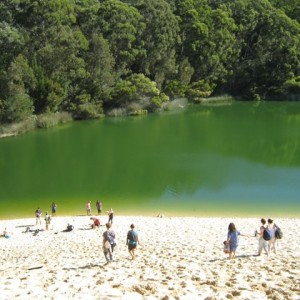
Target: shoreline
[[148, 214], [180, 258]]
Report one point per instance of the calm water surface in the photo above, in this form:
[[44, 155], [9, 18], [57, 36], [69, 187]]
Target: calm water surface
[[236, 160]]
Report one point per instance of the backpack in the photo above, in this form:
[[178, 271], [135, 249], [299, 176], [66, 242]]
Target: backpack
[[110, 237], [267, 234], [278, 233]]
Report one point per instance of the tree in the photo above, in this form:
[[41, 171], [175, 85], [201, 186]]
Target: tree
[[208, 40], [270, 49], [122, 25], [160, 37], [140, 90], [17, 106]]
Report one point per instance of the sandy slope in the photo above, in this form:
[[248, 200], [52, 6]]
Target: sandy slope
[[181, 258]]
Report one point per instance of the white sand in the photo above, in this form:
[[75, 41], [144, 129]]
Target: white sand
[[181, 258]]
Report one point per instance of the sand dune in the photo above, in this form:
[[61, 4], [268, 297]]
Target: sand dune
[[180, 258]]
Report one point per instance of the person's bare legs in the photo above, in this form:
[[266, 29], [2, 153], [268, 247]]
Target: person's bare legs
[[131, 252]]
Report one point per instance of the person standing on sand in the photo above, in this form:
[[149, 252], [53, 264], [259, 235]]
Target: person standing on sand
[[132, 240], [262, 244], [232, 239], [99, 206], [272, 241], [53, 209], [110, 215], [108, 243], [88, 208], [38, 214], [47, 220]]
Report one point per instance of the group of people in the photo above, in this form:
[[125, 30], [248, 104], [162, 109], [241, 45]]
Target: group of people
[[109, 244], [88, 207], [268, 233], [39, 213]]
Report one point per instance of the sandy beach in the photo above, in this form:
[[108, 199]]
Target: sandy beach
[[180, 258]]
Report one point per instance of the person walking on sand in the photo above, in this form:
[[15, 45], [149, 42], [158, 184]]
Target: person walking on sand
[[232, 239], [47, 220], [110, 215], [132, 240], [53, 209], [99, 206], [108, 243], [262, 243], [88, 208], [272, 241], [38, 214]]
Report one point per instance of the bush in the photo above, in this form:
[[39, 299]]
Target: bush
[[48, 120]]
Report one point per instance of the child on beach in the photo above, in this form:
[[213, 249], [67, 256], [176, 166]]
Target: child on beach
[[6, 233], [232, 239]]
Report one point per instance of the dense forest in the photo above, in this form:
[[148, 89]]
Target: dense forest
[[91, 58]]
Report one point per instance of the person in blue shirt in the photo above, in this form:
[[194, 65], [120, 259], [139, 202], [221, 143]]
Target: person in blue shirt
[[132, 240], [232, 239]]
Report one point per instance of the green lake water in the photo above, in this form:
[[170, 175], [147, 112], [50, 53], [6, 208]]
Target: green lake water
[[235, 160]]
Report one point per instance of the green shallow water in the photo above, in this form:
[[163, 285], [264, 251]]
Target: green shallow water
[[237, 160]]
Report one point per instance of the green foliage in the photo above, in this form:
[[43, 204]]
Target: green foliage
[[122, 25], [129, 56], [199, 90], [140, 90], [159, 38], [291, 8], [176, 88], [48, 120], [18, 105], [88, 111]]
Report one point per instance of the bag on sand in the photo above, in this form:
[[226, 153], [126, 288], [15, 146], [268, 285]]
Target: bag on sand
[[226, 247], [267, 234], [278, 233]]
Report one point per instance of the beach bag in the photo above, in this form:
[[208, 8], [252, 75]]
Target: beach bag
[[226, 247], [278, 233], [267, 234]]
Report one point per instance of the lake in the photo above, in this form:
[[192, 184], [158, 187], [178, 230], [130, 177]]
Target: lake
[[234, 160]]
